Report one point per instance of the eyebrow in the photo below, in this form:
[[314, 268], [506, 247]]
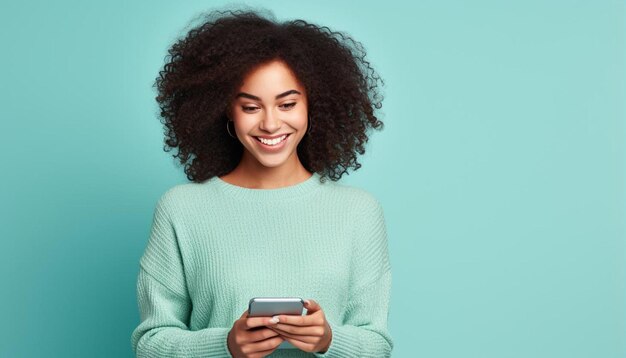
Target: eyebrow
[[248, 95]]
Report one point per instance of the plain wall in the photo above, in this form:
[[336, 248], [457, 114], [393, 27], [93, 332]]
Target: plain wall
[[500, 169]]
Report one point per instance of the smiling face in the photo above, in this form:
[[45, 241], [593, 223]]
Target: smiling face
[[270, 115]]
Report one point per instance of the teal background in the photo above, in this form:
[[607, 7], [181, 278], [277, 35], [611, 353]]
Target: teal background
[[500, 169]]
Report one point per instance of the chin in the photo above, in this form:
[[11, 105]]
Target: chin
[[271, 163]]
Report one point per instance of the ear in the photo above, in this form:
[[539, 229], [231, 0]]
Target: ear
[[229, 112]]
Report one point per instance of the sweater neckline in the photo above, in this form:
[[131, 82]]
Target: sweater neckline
[[292, 191]]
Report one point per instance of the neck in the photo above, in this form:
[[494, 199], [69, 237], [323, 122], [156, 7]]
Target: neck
[[249, 173]]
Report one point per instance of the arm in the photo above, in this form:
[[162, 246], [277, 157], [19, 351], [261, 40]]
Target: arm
[[364, 332], [164, 303]]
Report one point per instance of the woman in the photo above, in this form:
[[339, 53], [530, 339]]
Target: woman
[[262, 114]]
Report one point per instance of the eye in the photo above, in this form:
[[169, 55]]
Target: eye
[[289, 105], [248, 109]]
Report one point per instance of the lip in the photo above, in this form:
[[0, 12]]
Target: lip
[[275, 148], [272, 137]]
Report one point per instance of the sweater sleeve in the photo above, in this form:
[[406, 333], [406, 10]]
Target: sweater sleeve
[[164, 303], [364, 332]]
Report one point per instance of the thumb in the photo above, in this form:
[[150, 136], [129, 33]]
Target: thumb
[[311, 306]]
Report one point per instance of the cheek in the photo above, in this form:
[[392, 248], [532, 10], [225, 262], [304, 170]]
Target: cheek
[[244, 125], [301, 121]]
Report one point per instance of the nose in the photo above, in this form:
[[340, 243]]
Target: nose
[[270, 122]]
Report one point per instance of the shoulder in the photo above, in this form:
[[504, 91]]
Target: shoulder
[[177, 195], [356, 198]]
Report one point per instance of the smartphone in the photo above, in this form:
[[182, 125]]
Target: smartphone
[[270, 306]]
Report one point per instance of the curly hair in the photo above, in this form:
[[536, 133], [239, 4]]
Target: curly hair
[[204, 70]]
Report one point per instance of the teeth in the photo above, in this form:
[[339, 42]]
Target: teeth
[[273, 141]]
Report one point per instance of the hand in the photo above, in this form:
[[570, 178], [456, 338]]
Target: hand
[[248, 338], [310, 333]]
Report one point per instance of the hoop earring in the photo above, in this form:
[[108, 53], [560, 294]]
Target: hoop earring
[[228, 130]]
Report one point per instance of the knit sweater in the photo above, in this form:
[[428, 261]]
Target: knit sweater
[[213, 246]]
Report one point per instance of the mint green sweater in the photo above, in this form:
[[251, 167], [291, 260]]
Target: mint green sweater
[[214, 245]]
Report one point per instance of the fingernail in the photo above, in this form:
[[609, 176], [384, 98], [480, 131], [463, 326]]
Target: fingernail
[[274, 319], [307, 302]]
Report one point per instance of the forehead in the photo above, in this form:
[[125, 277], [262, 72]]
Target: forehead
[[269, 79]]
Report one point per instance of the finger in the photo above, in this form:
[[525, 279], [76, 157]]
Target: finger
[[253, 322], [264, 345], [261, 354], [260, 335], [315, 319], [307, 347], [305, 337], [311, 306]]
